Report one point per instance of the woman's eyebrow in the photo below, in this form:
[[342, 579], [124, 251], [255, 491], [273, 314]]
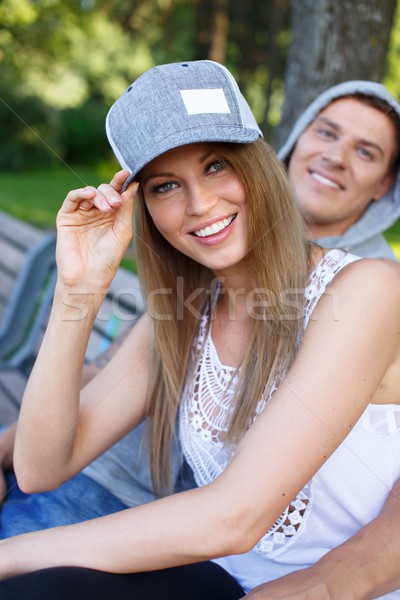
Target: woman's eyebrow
[[155, 175], [206, 155], [201, 159]]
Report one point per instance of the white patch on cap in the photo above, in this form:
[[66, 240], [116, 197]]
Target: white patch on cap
[[207, 101]]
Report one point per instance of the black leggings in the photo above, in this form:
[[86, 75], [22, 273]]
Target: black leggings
[[201, 581]]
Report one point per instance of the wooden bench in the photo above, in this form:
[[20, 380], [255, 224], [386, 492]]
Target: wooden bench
[[27, 279]]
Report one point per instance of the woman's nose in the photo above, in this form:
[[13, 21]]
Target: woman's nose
[[200, 200]]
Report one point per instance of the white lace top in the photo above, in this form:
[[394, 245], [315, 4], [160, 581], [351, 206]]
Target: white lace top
[[204, 414]]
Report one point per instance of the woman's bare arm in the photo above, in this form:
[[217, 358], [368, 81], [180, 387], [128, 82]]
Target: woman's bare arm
[[230, 515], [59, 429]]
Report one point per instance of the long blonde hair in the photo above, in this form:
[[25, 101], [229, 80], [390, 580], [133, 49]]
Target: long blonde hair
[[278, 260]]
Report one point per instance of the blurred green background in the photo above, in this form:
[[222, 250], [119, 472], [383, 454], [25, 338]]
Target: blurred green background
[[62, 64]]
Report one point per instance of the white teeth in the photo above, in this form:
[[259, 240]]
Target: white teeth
[[214, 228], [325, 180]]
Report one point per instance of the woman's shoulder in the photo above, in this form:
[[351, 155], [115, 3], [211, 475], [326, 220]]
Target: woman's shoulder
[[370, 273], [338, 274], [364, 293]]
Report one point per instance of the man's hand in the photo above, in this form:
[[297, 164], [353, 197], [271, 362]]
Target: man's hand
[[307, 584], [366, 566]]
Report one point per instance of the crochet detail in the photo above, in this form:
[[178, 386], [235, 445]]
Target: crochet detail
[[286, 527], [206, 408], [205, 411]]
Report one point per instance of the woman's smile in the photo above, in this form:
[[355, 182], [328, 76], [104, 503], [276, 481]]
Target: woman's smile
[[214, 228]]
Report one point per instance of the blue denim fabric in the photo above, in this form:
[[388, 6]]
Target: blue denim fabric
[[77, 500]]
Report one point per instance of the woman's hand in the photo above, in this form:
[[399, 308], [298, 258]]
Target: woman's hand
[[94, 229]]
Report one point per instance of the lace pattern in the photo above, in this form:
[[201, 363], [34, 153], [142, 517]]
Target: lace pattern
[[207, 404], [205, 411]]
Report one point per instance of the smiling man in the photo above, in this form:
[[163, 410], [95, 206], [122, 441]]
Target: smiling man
[[343, 161]]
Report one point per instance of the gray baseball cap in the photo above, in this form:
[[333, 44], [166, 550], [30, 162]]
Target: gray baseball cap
[[177, 104]]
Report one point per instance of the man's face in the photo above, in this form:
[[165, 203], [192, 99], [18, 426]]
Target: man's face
[[340, 164]]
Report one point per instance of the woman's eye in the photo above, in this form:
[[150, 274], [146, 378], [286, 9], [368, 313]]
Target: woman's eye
[[215, 166], [163, 188]]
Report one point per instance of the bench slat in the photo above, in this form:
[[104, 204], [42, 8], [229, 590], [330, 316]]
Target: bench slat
[[12, 386], [11, 257], [18, 232]]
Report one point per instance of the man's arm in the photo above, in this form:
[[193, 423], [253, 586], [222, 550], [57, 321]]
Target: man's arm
[[365, 567]]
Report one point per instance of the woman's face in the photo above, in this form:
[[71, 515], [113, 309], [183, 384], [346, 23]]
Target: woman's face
[[199, 205], [340, 164]]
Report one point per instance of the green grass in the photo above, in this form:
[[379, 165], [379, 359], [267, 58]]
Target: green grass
[[36, 196], [393, 237]]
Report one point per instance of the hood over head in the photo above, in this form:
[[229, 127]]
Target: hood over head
[[378, 216]]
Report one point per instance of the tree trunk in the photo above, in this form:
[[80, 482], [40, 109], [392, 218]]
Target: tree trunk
[[333, 41], [277, 20], [212, 29], [219, 37]]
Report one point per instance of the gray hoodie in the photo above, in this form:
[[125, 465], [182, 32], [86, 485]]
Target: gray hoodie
[[365, 236]]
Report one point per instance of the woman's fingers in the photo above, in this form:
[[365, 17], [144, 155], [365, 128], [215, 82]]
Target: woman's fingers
[[119, 179], [104, 198], [110, 195], [86, 202], [84, 199], [130, 190], [125, 214], [81, 197]]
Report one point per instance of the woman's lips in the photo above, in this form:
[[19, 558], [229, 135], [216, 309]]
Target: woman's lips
[[216, 227]]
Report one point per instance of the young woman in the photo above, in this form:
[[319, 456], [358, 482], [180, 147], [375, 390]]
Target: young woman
[[276, 363]]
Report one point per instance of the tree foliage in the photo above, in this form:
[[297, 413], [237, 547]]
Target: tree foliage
[[333, 42], [63, 62]]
